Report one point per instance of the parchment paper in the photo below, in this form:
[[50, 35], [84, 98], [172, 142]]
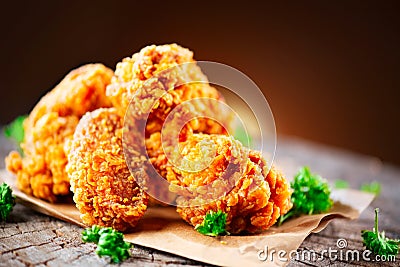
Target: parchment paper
[[161, 228]]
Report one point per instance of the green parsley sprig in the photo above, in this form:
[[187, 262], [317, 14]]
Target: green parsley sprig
[[109, 242], [376, 241], [91, 234], [7, 201], [214, 224], [341, 184], [373, 187], [311, 195], [15, 130]]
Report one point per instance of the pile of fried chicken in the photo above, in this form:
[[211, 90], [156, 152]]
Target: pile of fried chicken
[[74, 142]]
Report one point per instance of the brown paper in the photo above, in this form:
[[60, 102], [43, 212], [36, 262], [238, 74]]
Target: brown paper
[[161, 228]]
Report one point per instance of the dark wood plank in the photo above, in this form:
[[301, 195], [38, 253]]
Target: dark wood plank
[[29, 238]]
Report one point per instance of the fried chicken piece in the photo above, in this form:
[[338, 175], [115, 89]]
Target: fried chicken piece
[[237, 182], [41, 170], [105, 192], [148, 86], [82, 90], [159, 78]]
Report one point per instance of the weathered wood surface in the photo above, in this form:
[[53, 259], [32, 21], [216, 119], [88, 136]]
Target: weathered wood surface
[[30, 238]]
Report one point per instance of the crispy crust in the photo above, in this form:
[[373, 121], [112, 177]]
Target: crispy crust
[[155, 79], [255, 196], [133, 72], [237, 180], [41, 171], [82, 90], [105, 192]]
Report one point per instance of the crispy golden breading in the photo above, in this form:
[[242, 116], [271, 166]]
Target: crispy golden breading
[[82, 90], [237, 182], [157, 82], [41, 171], [84, 134], [105, 192]]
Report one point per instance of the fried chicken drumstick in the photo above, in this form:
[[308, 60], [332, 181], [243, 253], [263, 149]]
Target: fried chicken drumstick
[[105, 192], [41, 170]]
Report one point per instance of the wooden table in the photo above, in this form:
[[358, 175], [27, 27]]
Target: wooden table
[[30, 238]]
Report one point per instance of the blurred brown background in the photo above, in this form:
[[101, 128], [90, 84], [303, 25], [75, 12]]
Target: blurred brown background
[[330, 70]]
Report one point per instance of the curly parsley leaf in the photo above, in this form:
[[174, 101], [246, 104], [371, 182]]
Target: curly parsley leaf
[[311, 195], [373, 187], [109, 242], [15, 130], [376, 241], [214, 224], [7, 201], [91, 234]]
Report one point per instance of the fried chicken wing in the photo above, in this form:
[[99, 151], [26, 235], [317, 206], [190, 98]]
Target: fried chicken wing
[[41, 170], [105, 192], [236, 181]]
